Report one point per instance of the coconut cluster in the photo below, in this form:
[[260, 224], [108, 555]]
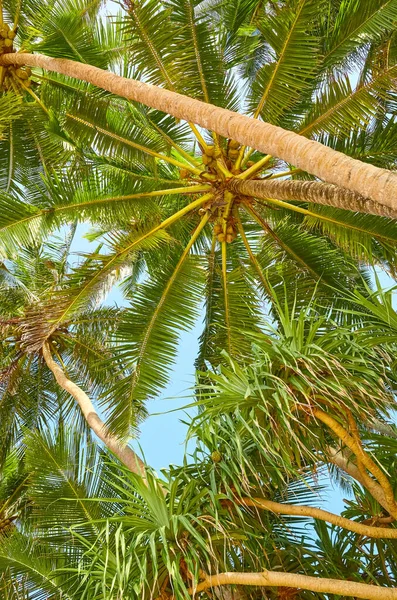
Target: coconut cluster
[[12, 75], [225, 231], [6, 38]]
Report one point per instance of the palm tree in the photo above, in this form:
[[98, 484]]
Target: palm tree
[[31, 398], [158, 190], [183, 218], [182, 42]]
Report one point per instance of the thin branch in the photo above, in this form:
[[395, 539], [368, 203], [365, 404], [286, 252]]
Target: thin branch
[[253, 258], [339, 458], [255, 168], [321, 585], [226, 294], [367, 461], [186, 155], [192, 189], [322, 515], [164, 295], [266, 227], [124, 453]]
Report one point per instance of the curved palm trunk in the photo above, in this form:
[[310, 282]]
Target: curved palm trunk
[[311, 191], [125, 454], [297, 581], [377, 184]]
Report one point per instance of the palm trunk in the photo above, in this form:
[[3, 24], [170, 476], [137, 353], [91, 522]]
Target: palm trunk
[[379, 185], [125, 454], [321, 585], [311, 191]]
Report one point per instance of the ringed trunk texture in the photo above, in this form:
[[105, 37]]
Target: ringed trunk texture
[[125, 454], [302, 582], [379, 185], [322, 515], [311, 191]]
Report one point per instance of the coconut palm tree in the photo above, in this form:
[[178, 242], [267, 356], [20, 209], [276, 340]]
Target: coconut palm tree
[[183, 51], [31, 397], [164, 195], [183, 218]]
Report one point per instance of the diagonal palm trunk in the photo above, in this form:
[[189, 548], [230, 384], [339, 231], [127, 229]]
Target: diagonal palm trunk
[[124, 453], [379, 185], [311, 191]]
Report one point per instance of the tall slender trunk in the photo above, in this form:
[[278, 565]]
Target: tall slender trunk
[[311, 191], [125, 454], [379, 185]]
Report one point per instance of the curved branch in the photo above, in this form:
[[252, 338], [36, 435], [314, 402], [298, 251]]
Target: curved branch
[[338, 458], [380, 185], [124, 453], [294, 580], [362, 456], [322, 515], [311, 191]]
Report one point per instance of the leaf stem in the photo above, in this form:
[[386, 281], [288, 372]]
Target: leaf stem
[[252, 256], [258, 166], [149, 151]]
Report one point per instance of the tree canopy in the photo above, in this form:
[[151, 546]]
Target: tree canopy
[[268, 250]]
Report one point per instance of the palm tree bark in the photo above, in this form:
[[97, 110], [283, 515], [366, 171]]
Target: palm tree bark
[[321, 585], [379, 185], [322, 515], [125, 454], [311, 191]]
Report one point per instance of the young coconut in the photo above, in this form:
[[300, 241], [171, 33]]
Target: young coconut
[[218, 228], [21, 74], [233, 154], [234, 144]]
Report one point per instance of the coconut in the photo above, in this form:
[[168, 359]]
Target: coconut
[[234, 144], [21, 74], [218, 228]]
